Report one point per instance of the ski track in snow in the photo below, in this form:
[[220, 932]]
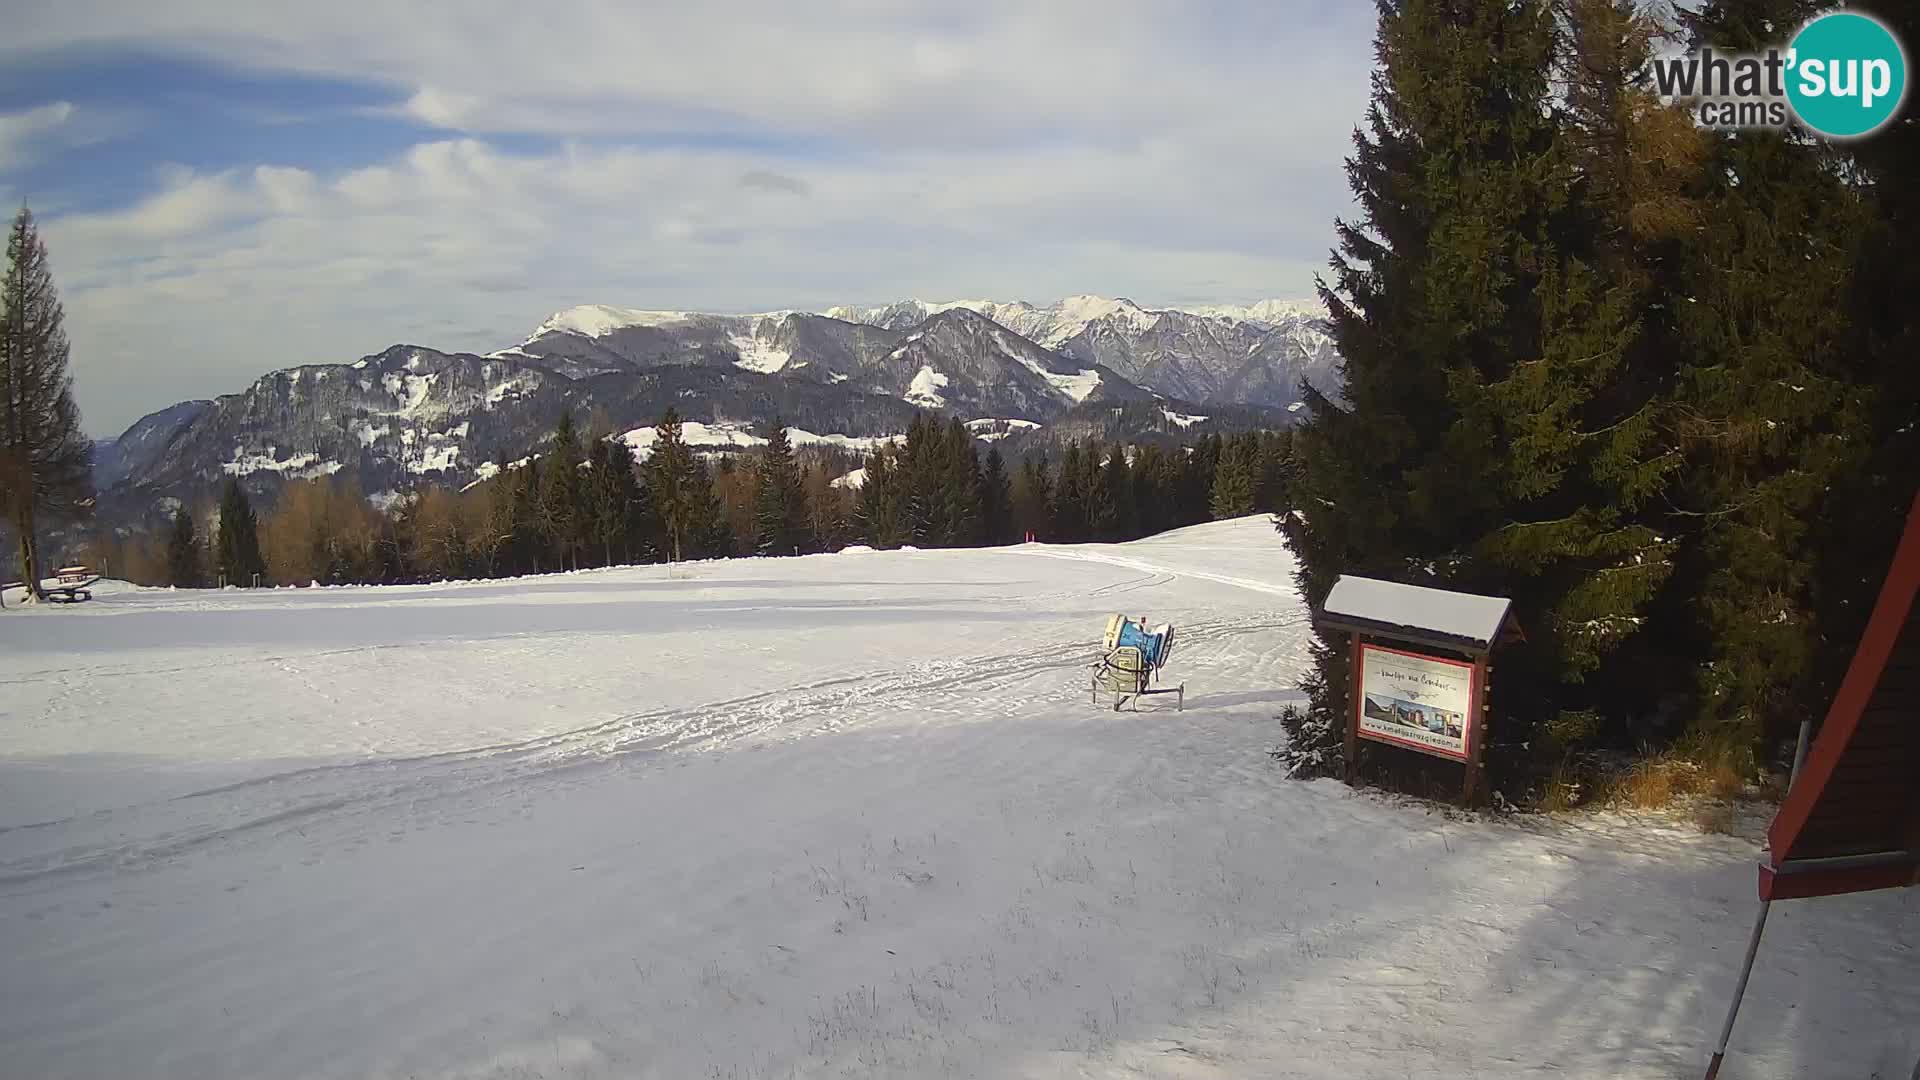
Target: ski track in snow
[[834, 816]]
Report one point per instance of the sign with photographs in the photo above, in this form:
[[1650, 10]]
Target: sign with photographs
[[1423, 703]]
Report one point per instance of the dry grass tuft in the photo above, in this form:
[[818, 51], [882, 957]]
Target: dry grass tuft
[[1715, 816]]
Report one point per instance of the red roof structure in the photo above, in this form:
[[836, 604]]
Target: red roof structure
[[1851, 821]]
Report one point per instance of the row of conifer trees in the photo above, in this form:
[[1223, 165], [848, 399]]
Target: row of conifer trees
[[586, 501], [1656, 383]]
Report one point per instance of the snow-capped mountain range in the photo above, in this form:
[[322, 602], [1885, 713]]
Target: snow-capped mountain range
[[861, 372]]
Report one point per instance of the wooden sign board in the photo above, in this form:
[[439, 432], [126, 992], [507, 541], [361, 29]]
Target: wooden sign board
[[1429, 704], [1419, 674]]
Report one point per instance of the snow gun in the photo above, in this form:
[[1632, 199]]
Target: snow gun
[[1133, 655]]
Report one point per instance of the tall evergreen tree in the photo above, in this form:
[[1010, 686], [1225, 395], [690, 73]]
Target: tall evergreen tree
[[46, 461], [1772, 409], [1487, 368], [1069, 497], [617, 504], [881, 512], [780, 510], [183, 552], [1116, 486], [996, 500], [237, 543], [1235, 478], [680, 487], [957, 494], [564, 513], [1033, 499]]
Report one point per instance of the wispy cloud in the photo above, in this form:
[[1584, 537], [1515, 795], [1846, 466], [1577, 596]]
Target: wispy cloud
[[728, 156], [24, 135]]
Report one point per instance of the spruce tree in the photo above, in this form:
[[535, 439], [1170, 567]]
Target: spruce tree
[[957, 495], [183, 552], [780, 511], [1033, 500], [1772, 409], [711, 535], [1116, 486], [237, 545], [1235, 478], [564, 513], [46, 461], [1488, 368], [1153, 490], [996, 500], [681, 491], [1069, 498], [880, 514], [616, 503]]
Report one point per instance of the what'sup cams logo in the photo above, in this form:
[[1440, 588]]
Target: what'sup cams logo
[[1844, 75]]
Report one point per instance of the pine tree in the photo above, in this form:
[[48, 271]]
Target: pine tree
[[46, 461], [183, 552], [780, 511], [996, 500], [237, 547], [681, 492]]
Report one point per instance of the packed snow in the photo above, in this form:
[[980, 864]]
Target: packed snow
[[838, 815], [925, 388], [598, 320], [724, 435], [1183, 420], [757, 354], [989, 429], [1454, 614], [304, 466], [852, 481]]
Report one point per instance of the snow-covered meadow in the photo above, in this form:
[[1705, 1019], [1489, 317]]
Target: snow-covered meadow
[[841, 815]]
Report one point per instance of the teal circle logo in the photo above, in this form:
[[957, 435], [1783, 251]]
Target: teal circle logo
[[1847, 74]]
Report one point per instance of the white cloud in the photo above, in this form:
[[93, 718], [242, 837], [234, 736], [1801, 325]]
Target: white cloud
[[25, 133], [725, 156]]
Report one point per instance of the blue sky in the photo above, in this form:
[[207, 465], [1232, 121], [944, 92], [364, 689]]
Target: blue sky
[[229, 189]]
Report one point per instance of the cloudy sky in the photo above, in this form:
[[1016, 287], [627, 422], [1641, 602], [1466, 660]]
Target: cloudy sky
[[229, 188]]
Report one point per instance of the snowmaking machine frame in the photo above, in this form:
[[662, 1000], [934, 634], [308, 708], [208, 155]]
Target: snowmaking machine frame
[[1131, 664]]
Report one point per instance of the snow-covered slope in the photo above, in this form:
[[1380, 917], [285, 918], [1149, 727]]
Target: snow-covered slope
[[841, 815]]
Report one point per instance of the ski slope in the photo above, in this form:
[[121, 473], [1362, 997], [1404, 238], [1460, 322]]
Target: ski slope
[[840, 815]]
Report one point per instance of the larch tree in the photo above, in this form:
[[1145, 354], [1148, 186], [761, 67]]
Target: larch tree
[[46, 461]]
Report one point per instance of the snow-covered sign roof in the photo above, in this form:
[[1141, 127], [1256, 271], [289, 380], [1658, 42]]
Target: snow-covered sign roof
[[1387, 607]]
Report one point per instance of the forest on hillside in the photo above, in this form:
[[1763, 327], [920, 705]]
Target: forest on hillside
[[585, 501]]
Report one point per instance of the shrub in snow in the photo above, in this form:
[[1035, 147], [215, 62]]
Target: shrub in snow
[[1316, 733]]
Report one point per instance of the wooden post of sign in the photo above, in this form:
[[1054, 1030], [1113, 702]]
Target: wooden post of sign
[[1353, 713], [1480, 707]]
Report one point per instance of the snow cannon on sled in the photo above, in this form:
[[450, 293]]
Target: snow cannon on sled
[[1129, 666]]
